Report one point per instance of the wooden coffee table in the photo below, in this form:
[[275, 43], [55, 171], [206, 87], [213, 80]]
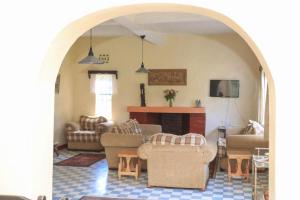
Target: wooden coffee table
[[129, 164], [239, 156]]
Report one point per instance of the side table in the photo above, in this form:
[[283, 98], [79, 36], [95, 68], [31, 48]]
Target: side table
[[239, 156], [129, 164]]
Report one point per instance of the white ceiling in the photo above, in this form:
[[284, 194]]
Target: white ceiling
[[160, 24]]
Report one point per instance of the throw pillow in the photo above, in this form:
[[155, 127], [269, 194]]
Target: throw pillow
[[192, 139], [134, 124], [253, 128], [129, 127]]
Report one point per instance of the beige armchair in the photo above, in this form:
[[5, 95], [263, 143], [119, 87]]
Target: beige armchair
[[182, 166], [115, 142]]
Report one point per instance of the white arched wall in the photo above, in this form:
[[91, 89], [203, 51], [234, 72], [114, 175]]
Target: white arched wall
[[68, 36], [25, 145]]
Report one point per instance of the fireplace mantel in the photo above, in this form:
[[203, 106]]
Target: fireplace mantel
[[163, 109], [177, 120]]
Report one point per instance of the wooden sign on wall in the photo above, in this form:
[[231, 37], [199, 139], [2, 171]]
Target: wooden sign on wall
[[167, 77]]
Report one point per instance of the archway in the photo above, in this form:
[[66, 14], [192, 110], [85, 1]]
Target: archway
[[68, 36]]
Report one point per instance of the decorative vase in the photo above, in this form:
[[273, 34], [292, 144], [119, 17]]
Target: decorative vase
[[198, 103], [170, 103]]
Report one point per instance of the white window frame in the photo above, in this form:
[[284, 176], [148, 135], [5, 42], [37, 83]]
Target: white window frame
[[104, 86], [262, 97]]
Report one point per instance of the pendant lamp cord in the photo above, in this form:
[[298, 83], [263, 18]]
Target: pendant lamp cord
[[142, 49], [90, 37]]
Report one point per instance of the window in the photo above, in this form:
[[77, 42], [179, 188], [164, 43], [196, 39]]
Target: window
[[263, 89], [103, 86]]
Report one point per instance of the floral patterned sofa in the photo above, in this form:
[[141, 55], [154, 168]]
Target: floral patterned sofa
[[86, 134]]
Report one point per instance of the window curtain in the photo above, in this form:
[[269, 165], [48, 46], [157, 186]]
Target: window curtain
[[263, 89], [103, 84], [104, 87]]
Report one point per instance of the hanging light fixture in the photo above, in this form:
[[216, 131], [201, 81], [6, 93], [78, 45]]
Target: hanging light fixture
[[90, 59], [142, 69]]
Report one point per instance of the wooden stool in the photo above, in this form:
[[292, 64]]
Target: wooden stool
[[129, 164], [239, 156]]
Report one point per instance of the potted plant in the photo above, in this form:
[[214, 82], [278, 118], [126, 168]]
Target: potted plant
[[170, 95]]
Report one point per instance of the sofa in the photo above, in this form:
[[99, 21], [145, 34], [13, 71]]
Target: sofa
[[182, 166], [86, 133], [246, 142], [113, 143], [237, 141]]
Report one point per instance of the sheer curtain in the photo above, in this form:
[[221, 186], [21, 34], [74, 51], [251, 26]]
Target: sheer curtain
[[104, 86], [263, 89]]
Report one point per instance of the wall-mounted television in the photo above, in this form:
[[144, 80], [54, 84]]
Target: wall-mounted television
[[224, 88]]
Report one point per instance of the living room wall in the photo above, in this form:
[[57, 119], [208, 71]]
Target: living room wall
[[64, 100], [207, 57]]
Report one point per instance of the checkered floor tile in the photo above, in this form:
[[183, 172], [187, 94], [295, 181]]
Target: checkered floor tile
[[98, 180]]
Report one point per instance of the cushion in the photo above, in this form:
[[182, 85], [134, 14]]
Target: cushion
[[134, 124], [83, 136], [253, 128], [129, 127], [89, 122], [192, 139]]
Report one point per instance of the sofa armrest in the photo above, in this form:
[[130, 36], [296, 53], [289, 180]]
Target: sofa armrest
[[144, 150], [72, 126], [150, 129], [210, 150], [121, 140]]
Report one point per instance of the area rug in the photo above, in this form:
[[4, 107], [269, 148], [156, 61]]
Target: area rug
[[102, 198], [81, 160]]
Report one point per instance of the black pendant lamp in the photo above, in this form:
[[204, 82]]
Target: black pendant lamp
[[91, 59], [142, 69]]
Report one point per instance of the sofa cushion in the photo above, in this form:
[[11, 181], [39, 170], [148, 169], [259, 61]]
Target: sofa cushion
[[83, 136], [192, 139], [89, 122], [253, 128]]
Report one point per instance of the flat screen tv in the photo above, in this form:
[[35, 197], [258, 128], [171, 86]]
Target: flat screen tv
[[224, 88]]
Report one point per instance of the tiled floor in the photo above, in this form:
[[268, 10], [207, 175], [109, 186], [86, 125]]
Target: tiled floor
[[97, 180]]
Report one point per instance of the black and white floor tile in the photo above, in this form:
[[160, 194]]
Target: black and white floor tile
[[98, 180]]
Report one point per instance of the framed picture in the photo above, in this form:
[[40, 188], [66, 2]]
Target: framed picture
[[57, 84], [167, 77]]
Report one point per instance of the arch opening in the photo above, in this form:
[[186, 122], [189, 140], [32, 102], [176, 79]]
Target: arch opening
[[70, 34]]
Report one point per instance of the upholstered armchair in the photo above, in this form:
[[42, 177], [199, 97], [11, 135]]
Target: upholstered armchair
[[86, 134]]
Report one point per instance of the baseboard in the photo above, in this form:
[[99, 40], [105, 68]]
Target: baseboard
[[63, 146]]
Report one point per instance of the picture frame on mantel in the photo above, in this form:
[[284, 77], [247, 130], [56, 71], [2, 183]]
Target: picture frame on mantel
[[167, 77]]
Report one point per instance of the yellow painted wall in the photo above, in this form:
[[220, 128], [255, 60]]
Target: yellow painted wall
[[64, 100], [205, 57]]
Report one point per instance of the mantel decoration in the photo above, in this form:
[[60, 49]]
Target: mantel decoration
[[198, 103], [167, 77], [170, 95]]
